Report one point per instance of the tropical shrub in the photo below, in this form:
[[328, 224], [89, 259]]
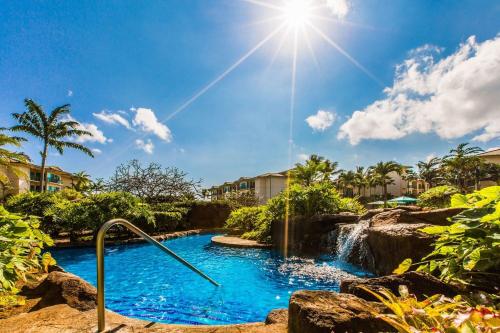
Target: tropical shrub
[[468, 251], [21, 245], [167, 221], [434, 314], [253, 222], [437, 197]]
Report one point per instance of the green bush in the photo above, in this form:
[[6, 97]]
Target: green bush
[[305, 201], [468, 251], [21, 245], [437, 197], [167, 221]]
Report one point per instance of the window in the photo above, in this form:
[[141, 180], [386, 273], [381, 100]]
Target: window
[[53, 178], [35, 176], [243, 185], [53, 188]]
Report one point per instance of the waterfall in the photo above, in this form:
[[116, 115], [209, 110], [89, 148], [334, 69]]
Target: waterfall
[[349, 236]]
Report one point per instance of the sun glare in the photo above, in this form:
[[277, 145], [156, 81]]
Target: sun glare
[[297, 12]]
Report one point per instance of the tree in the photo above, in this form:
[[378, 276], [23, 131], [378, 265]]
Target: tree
[[52, 129], [316, 169], [7, 157], [81, 182], [430, 171], [462, 166], [346, 180], [153, 183], [360, 178], [381, 170]]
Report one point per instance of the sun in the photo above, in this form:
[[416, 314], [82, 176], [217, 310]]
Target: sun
[[297, 13]]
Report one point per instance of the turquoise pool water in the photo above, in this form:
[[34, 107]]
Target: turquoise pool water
[[143, 282]]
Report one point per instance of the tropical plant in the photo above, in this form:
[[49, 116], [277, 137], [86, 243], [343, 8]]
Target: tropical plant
[[381, 171], [52, 129], [315, 169], [9, 158], [346, 182], [247, 220], [437, 197], [462, 166], [21, 245], [360, 179], [467, 251], [81, 181], [430, 171], [434, 314]]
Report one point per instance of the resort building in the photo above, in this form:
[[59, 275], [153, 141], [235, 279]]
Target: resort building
[[399, 186], [491, 156], [264, 187], [27, 178]]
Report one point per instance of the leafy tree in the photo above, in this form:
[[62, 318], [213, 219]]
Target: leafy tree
[[153, 183], [8, 158], [52, 129], [315, 169], [462, 166], [346, 180], [382, 170], [437, 197], [82, 182], [430, 171]]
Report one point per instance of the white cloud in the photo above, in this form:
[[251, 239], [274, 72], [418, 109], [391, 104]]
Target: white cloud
[[430, 157], [96, 151], [302, 157], [148, 146], [339, 8], [146, 120], [492, 149], [451, 97], [321, 120], [96, 134], [70, 93], [112, 118]]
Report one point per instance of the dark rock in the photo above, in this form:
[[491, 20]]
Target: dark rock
[[327, 312], [411, 216], [308, 235], [277, 316], [418, 283], [372, 212], [63, 288], [388, 245]]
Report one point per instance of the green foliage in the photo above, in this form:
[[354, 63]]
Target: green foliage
[[305, 201], [21, 245], [437, 197], [167, 221], [434, 314], [468, 250], [92, 211]]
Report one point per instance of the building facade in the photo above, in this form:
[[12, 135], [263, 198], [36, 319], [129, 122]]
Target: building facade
[[264, 187], [27, 177]]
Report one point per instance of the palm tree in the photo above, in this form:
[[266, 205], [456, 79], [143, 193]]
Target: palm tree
[[51, 129], [315, 169], [82, 181], [360, 178], [98, 186], [462, 165], [430, 171], [346, 180], [8, 157], [381, 170]]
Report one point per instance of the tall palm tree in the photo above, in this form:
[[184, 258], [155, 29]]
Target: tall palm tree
[[430, 171], [346, 180], [462, 165], [360, 179], [51, 129], [315, 169], [8, 157], [82, 181], [382, 170]]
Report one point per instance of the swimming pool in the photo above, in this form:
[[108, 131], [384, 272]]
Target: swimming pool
[[142, 282]]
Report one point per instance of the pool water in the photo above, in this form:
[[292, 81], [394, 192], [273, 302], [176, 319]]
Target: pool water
[[143, 282]]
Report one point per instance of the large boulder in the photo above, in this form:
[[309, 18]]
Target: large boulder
[[412, 216], [420, 284], [327, 312], [63, 288], [388, 245], [277, 316], [310, 235]]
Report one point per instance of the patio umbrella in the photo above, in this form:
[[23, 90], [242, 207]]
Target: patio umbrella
[[403, 200], [376, 203]]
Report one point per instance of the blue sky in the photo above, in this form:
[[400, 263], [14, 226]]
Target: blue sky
[[141, 61]]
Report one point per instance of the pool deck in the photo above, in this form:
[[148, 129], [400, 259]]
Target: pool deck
[[62, 318], [232, 241]]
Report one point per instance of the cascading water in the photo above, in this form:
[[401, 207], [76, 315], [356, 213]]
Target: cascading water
[[350, 236]]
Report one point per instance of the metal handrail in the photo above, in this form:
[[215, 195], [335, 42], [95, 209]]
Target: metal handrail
[[101, 320]]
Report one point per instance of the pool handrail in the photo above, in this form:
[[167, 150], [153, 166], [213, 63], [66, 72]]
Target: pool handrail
[[101, 320]]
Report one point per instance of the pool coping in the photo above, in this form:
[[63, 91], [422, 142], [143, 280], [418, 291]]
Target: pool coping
[[234, 241], [66, 243]]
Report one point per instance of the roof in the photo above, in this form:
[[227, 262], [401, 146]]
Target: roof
[[271, 174], [48, 167], [492, 152]]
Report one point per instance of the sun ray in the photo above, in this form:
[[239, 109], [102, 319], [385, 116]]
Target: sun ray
[[278, 49], [225, 73], [343, 22], [345, 54], [264, 4], [311, 49]]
